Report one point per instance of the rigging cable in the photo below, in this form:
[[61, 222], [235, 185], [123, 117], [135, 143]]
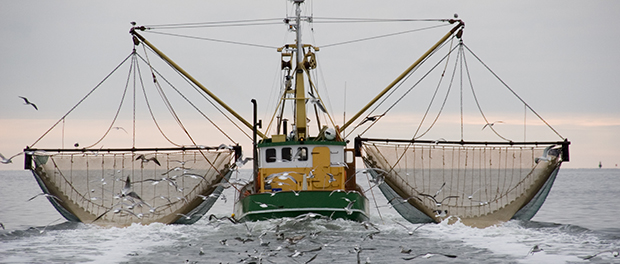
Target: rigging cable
[[202, 94], [380, 36], [397, 101], [408, 91], [443, 103], [153, 71], [433, 98], [178, 120], [118, 110], [214, 40], [514, 93], [81, 100], [471, 85], [148, 106], [246, 22]]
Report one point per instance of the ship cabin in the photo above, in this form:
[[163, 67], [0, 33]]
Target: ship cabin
[[307, 165]]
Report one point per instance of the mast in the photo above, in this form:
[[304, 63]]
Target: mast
[[300, 93]]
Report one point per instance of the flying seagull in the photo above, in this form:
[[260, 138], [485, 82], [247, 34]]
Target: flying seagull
[[317, 102], [4, 160], [46, 195], [614, 253], [545, 156], [535, 249], [491, 124], [145, 160], [120, 128], [371, 118], [26, 102]]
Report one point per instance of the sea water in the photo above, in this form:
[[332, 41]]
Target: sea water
[[579, 218]]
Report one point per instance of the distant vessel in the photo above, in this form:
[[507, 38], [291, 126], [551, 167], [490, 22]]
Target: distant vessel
[[298, 174]]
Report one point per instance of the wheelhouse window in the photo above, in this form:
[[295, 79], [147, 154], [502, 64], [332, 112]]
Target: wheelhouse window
[[287, 153], [301, 154], [270, 155]]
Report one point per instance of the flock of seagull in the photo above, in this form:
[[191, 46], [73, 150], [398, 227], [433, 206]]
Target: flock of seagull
[[297, 246]]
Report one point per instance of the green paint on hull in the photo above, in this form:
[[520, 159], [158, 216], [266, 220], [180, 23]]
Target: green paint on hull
[[266, 206]]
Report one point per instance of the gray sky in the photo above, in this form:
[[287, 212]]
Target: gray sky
[[559, 56]]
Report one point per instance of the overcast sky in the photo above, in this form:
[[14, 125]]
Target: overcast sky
[[561, 57]]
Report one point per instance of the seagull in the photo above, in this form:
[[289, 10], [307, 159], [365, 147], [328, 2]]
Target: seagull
[[367, 225], [43, 230], [224, 146], [127, 193], [120, 128], [192, 175], [26, 102], [404, 200], [491, 124], [145, 160], [535, 249], [177, 168], [472, 195], [341, 190], [242, 161], [366, 170], [331, 178], [295, 239], [428, 255], [409, 231], [244, 239], [264, 205], [4, 160], [46, 195], [545, 156], [317, 102], [186, 216], [205, 197], [438, 203], [340, 163], [281, 176], [371, 118], [436, 141], [349, 206], [614, 253]]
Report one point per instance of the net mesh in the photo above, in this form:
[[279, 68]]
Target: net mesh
[[468, 182], [121, 188]]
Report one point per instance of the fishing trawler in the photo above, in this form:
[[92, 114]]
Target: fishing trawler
[[299, 173]]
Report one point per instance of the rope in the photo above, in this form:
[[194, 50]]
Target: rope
[[471, 85], [148, 106], [380, 36], [442, 105], [202, 94], [433, 98], [118, 110], [408, 91], [153, 71], [216, 40], [246, 22], [81, 100], [180, 123], [513, 92]]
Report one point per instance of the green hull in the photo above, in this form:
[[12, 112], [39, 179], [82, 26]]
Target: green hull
[[266, 206]]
